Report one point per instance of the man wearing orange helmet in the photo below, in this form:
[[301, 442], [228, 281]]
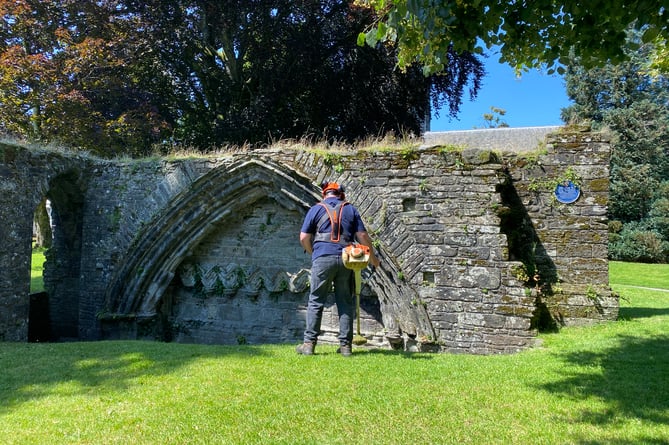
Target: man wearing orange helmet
[[328, 227]]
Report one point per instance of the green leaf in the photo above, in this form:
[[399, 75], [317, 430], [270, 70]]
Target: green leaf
[[370, 37], [381, 31], [361, 39], [650, 34]]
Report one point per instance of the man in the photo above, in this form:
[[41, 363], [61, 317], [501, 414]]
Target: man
[[328, 227]]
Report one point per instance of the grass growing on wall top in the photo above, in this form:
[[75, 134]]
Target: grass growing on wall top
[[598, 384]]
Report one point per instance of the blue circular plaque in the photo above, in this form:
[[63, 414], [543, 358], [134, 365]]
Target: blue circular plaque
[[567, 192]]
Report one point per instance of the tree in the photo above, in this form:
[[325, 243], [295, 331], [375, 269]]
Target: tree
[[70, 73], [27, 64], [116, 76], [528, 34], [494, 119], [634, 105], [256, 71]]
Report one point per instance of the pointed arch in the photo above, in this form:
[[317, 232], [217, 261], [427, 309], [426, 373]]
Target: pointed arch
[[138, 285]]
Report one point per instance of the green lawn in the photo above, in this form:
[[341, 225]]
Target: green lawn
[[605, 384], [639, 274], [36, 270]]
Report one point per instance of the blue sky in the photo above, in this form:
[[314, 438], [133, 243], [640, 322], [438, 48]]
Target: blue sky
[[534, 99]]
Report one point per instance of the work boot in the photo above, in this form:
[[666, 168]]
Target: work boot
[[306, 348], [345, 350]]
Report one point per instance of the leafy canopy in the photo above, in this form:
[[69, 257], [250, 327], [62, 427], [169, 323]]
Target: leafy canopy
[[128, 76], [633, 103], [529, 34], [76, 73]]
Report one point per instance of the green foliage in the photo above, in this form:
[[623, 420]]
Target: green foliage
[[659, 58], [634, 106], [631, 191], [637, 242], [591, 293], [549, 184], [543, 34], [494, 118], [659, 215], [80, 74], [334, 160], [450, 148], [137, 77], [520, 272], [409, 154]]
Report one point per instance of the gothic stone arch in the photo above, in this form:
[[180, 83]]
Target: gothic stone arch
[[451, 227], [147, 293]]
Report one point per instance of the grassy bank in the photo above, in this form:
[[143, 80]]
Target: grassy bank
[[599, 384]]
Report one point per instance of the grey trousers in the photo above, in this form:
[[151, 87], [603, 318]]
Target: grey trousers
[[326, 271]]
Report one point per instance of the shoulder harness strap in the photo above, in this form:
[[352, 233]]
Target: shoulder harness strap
[[334, 215]]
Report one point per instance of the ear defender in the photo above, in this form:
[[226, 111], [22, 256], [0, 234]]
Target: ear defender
[[331, 187]]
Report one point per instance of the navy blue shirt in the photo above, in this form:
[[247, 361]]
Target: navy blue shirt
[[351, 222]]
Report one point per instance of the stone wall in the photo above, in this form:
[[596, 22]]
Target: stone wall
[[26, 177], [564, 245], [476, 255]]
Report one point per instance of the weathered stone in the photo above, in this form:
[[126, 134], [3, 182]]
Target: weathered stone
[[477, 156], [205, 249]]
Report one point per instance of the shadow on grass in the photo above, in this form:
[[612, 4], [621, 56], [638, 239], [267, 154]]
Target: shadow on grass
[[35, 370], [630, 313], [403, 354], [631, 378]]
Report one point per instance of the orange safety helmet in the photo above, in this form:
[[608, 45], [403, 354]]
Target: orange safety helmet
[[332, 187]]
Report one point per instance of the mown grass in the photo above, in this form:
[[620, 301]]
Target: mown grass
[[604, 384], [639, 274], [36, 270]]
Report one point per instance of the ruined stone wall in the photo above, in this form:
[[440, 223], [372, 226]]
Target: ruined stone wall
[[441, 245], [487, 250], [218, 238], [564, 245], [26, 177], [205, 249], [194, 250]]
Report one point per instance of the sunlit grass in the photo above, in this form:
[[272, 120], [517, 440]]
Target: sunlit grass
[[639, 274], [37, 270], [598, 384]]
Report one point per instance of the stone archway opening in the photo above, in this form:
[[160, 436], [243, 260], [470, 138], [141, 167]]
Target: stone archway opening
[[57, 233], [42, 237], [248, 282], [242, 283]]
